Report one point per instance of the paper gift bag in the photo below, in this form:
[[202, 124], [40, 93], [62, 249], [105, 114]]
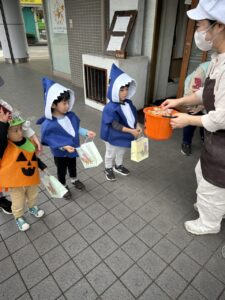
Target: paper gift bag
[[55, 188], [139, 149], [89, 155]]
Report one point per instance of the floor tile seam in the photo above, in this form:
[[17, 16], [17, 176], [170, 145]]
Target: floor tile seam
[[194, 288], [88, 204], [123, 284], [69, 258], [109, 208], [89, 214], [126, 207], [51, 228], [134, 210], [212, 274], [167, 263], [153, 282], [23, 295], [147, 224], [186, 286], [223, 290], [74, 284], [19, 274], [61, 242], [94, 220], [214, 250], [195, 260], [14, 232], [12, 253], [202, 268], [103, 260], [104, 290], [51, 274]]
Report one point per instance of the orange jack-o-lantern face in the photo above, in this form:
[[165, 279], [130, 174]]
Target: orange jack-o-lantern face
[[29, 170]]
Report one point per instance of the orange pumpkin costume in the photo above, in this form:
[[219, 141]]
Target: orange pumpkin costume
[[18, 167]]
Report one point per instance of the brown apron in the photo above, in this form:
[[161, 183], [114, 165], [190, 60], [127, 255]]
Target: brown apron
[[213, 152]]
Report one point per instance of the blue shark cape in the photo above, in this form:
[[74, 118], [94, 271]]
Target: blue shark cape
[[52, 133], [113, 110]]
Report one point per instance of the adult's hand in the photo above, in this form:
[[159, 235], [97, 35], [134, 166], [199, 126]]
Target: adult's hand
[[171, 103], [181, 120]]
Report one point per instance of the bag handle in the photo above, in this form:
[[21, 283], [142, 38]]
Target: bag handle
[[88, 138]]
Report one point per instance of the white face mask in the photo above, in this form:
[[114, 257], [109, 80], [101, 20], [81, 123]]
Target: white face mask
[[201, 42]]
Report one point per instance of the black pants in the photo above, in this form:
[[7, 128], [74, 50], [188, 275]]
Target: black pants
[[189, 130], [64, 163]]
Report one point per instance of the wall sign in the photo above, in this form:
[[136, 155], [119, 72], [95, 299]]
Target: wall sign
[[120, 30]]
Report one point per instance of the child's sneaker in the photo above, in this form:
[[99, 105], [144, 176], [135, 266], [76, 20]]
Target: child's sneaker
[[78, 185], [5, 205], [35, 211], [22, 224], [186, 149], [121, 170], [67, 195], [109, 174]]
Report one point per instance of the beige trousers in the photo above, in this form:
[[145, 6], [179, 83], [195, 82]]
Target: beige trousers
[[22, 196], [210, 200]]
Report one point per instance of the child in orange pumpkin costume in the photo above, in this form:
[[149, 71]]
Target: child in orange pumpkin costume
[[19, 159]]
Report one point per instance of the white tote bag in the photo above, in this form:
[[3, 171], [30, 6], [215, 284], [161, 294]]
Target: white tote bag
[[55, 188], [139, 149], [89, 155]]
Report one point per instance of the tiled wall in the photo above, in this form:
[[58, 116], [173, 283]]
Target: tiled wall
[[86, 33]]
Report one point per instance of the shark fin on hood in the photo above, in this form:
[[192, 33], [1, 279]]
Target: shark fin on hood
[[51, 91], [119, 78]]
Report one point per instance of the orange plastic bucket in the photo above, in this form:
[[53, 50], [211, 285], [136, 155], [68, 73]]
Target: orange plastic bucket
[[157, 127]]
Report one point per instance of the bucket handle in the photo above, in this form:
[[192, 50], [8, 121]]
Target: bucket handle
[[170, 117]]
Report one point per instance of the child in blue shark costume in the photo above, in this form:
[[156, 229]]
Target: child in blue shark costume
[[119, 121], [60, 131]]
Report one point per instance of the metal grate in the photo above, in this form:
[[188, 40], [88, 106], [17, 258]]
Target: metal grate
[[95, 83]]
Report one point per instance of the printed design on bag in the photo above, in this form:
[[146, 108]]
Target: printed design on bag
[[29, 171], [143, 150], [89, 155], [86, 159], [139, 149], [50, 188]]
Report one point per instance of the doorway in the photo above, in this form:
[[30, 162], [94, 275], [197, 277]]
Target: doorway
[[172, 34]]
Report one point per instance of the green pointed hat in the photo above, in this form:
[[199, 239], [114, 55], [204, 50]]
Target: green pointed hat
[[16, 120]]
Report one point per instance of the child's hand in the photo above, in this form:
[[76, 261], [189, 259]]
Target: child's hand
[[139, 129], [37, 143], [91, 134], [69, 149], [135, 132], [46, 171]]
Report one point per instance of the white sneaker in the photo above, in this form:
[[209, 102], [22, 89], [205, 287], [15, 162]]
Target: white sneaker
[[196, 227], [196, 208]]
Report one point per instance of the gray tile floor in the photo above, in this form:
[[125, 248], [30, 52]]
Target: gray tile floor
[[116, 240]]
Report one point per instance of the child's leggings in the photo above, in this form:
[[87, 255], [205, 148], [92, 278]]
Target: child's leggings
[[113, 152]]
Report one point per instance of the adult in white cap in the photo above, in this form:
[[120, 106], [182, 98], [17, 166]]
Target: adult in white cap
[[210, 170]]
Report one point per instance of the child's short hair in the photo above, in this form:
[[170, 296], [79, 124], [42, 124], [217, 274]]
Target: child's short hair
[[62, 97], [126, 85]]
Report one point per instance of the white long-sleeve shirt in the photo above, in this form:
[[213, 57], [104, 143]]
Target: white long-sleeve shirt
[[215, 120]]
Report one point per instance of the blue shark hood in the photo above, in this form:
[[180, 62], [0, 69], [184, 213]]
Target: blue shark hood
[[119, 78], [51, 91]]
